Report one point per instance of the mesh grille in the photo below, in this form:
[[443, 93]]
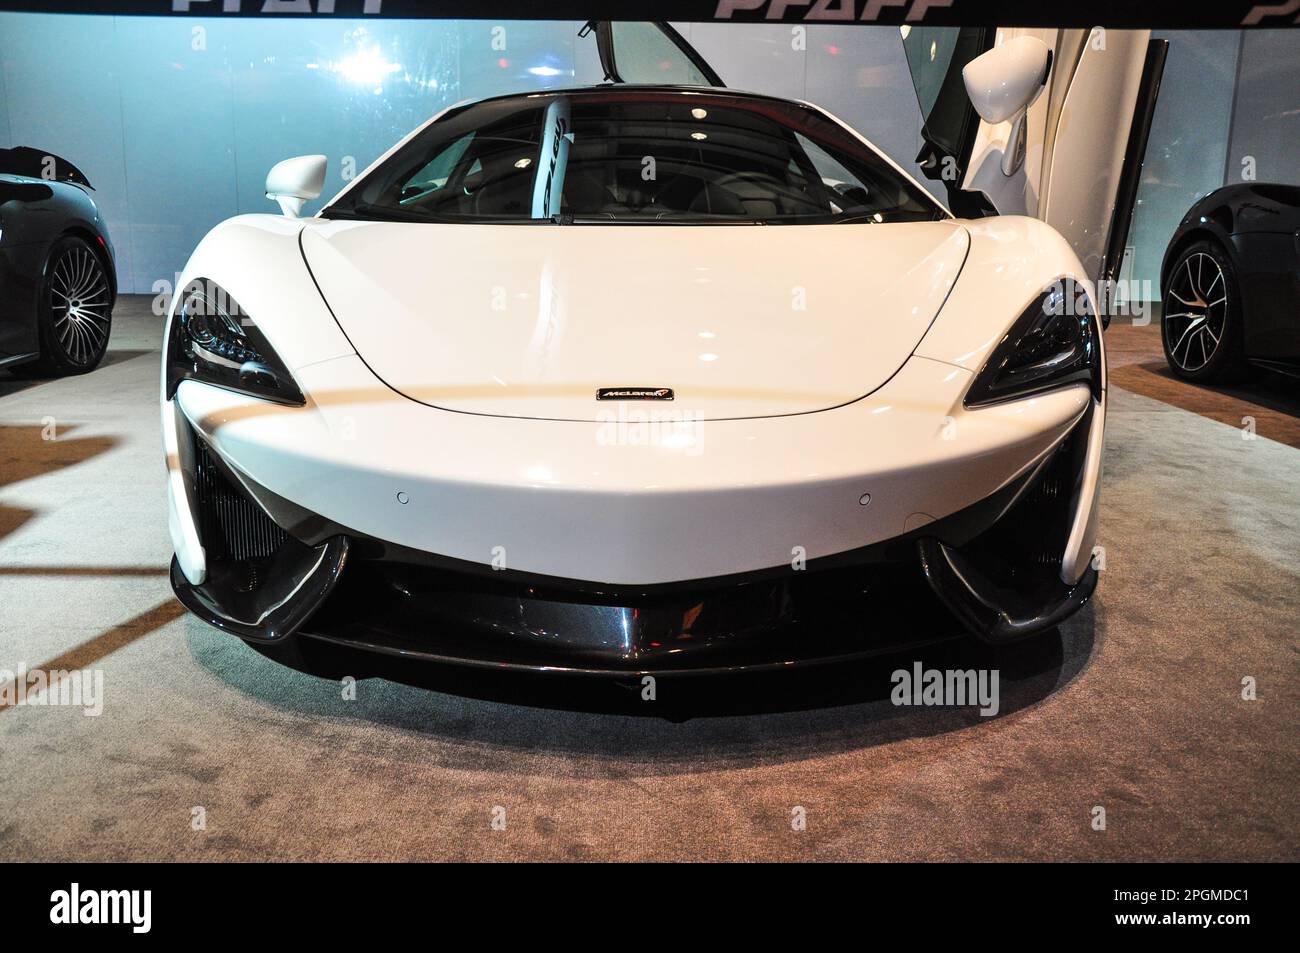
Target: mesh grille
[[1045, 507], [232, 525], [1026, 544]]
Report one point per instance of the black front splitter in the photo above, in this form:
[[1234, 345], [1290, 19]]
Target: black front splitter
[[267, 603], [738, 666], [801, 618], [994, 612]]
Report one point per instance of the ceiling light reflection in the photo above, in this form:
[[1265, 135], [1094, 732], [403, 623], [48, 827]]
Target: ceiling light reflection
[[367, 67]]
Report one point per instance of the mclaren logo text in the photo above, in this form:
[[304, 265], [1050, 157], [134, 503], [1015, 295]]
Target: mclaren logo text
[[634, 393]]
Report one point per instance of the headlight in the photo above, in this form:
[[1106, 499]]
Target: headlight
[[214, 341], [1054, 343]]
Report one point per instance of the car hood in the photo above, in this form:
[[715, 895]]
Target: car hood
[[729, 320]]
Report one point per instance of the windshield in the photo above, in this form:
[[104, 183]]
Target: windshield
[[636, 156]]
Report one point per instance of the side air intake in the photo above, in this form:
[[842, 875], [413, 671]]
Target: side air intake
[[230, 524]]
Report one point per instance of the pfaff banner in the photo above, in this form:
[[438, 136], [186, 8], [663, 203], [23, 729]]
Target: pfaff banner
[[1223, 14]]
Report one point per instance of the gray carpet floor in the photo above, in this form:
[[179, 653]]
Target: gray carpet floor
[[1135, 707]]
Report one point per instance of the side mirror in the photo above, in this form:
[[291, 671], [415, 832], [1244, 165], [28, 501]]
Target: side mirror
[[296, 181], [1003, 83]]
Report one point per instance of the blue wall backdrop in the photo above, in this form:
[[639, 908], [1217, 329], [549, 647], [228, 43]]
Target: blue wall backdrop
[[176, 121]]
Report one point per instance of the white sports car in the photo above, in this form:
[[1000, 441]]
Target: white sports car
[[630, 379]]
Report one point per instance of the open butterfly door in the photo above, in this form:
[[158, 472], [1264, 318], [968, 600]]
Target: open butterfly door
[[1070, 153], [1066, 145], [648, 54]]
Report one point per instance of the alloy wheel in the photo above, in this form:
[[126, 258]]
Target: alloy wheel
[[80, 300], [1196, 311]]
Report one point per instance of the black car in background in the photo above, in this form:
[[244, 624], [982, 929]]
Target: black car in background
[[1230, 284], [57, 279]]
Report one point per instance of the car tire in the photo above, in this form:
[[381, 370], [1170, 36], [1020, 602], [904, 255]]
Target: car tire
[[74, 312], [1201, 327]]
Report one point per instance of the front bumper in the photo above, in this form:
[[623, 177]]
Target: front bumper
[[619, 502], [992, 568]]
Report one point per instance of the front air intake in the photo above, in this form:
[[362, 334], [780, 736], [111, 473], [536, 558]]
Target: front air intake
[[261, 582], [230, 524]]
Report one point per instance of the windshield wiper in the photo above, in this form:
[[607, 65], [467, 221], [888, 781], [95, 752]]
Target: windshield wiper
[[859, 216], [377, 213], [386, 213]]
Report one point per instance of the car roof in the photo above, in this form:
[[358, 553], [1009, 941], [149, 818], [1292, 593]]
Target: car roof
[[721, 92]]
